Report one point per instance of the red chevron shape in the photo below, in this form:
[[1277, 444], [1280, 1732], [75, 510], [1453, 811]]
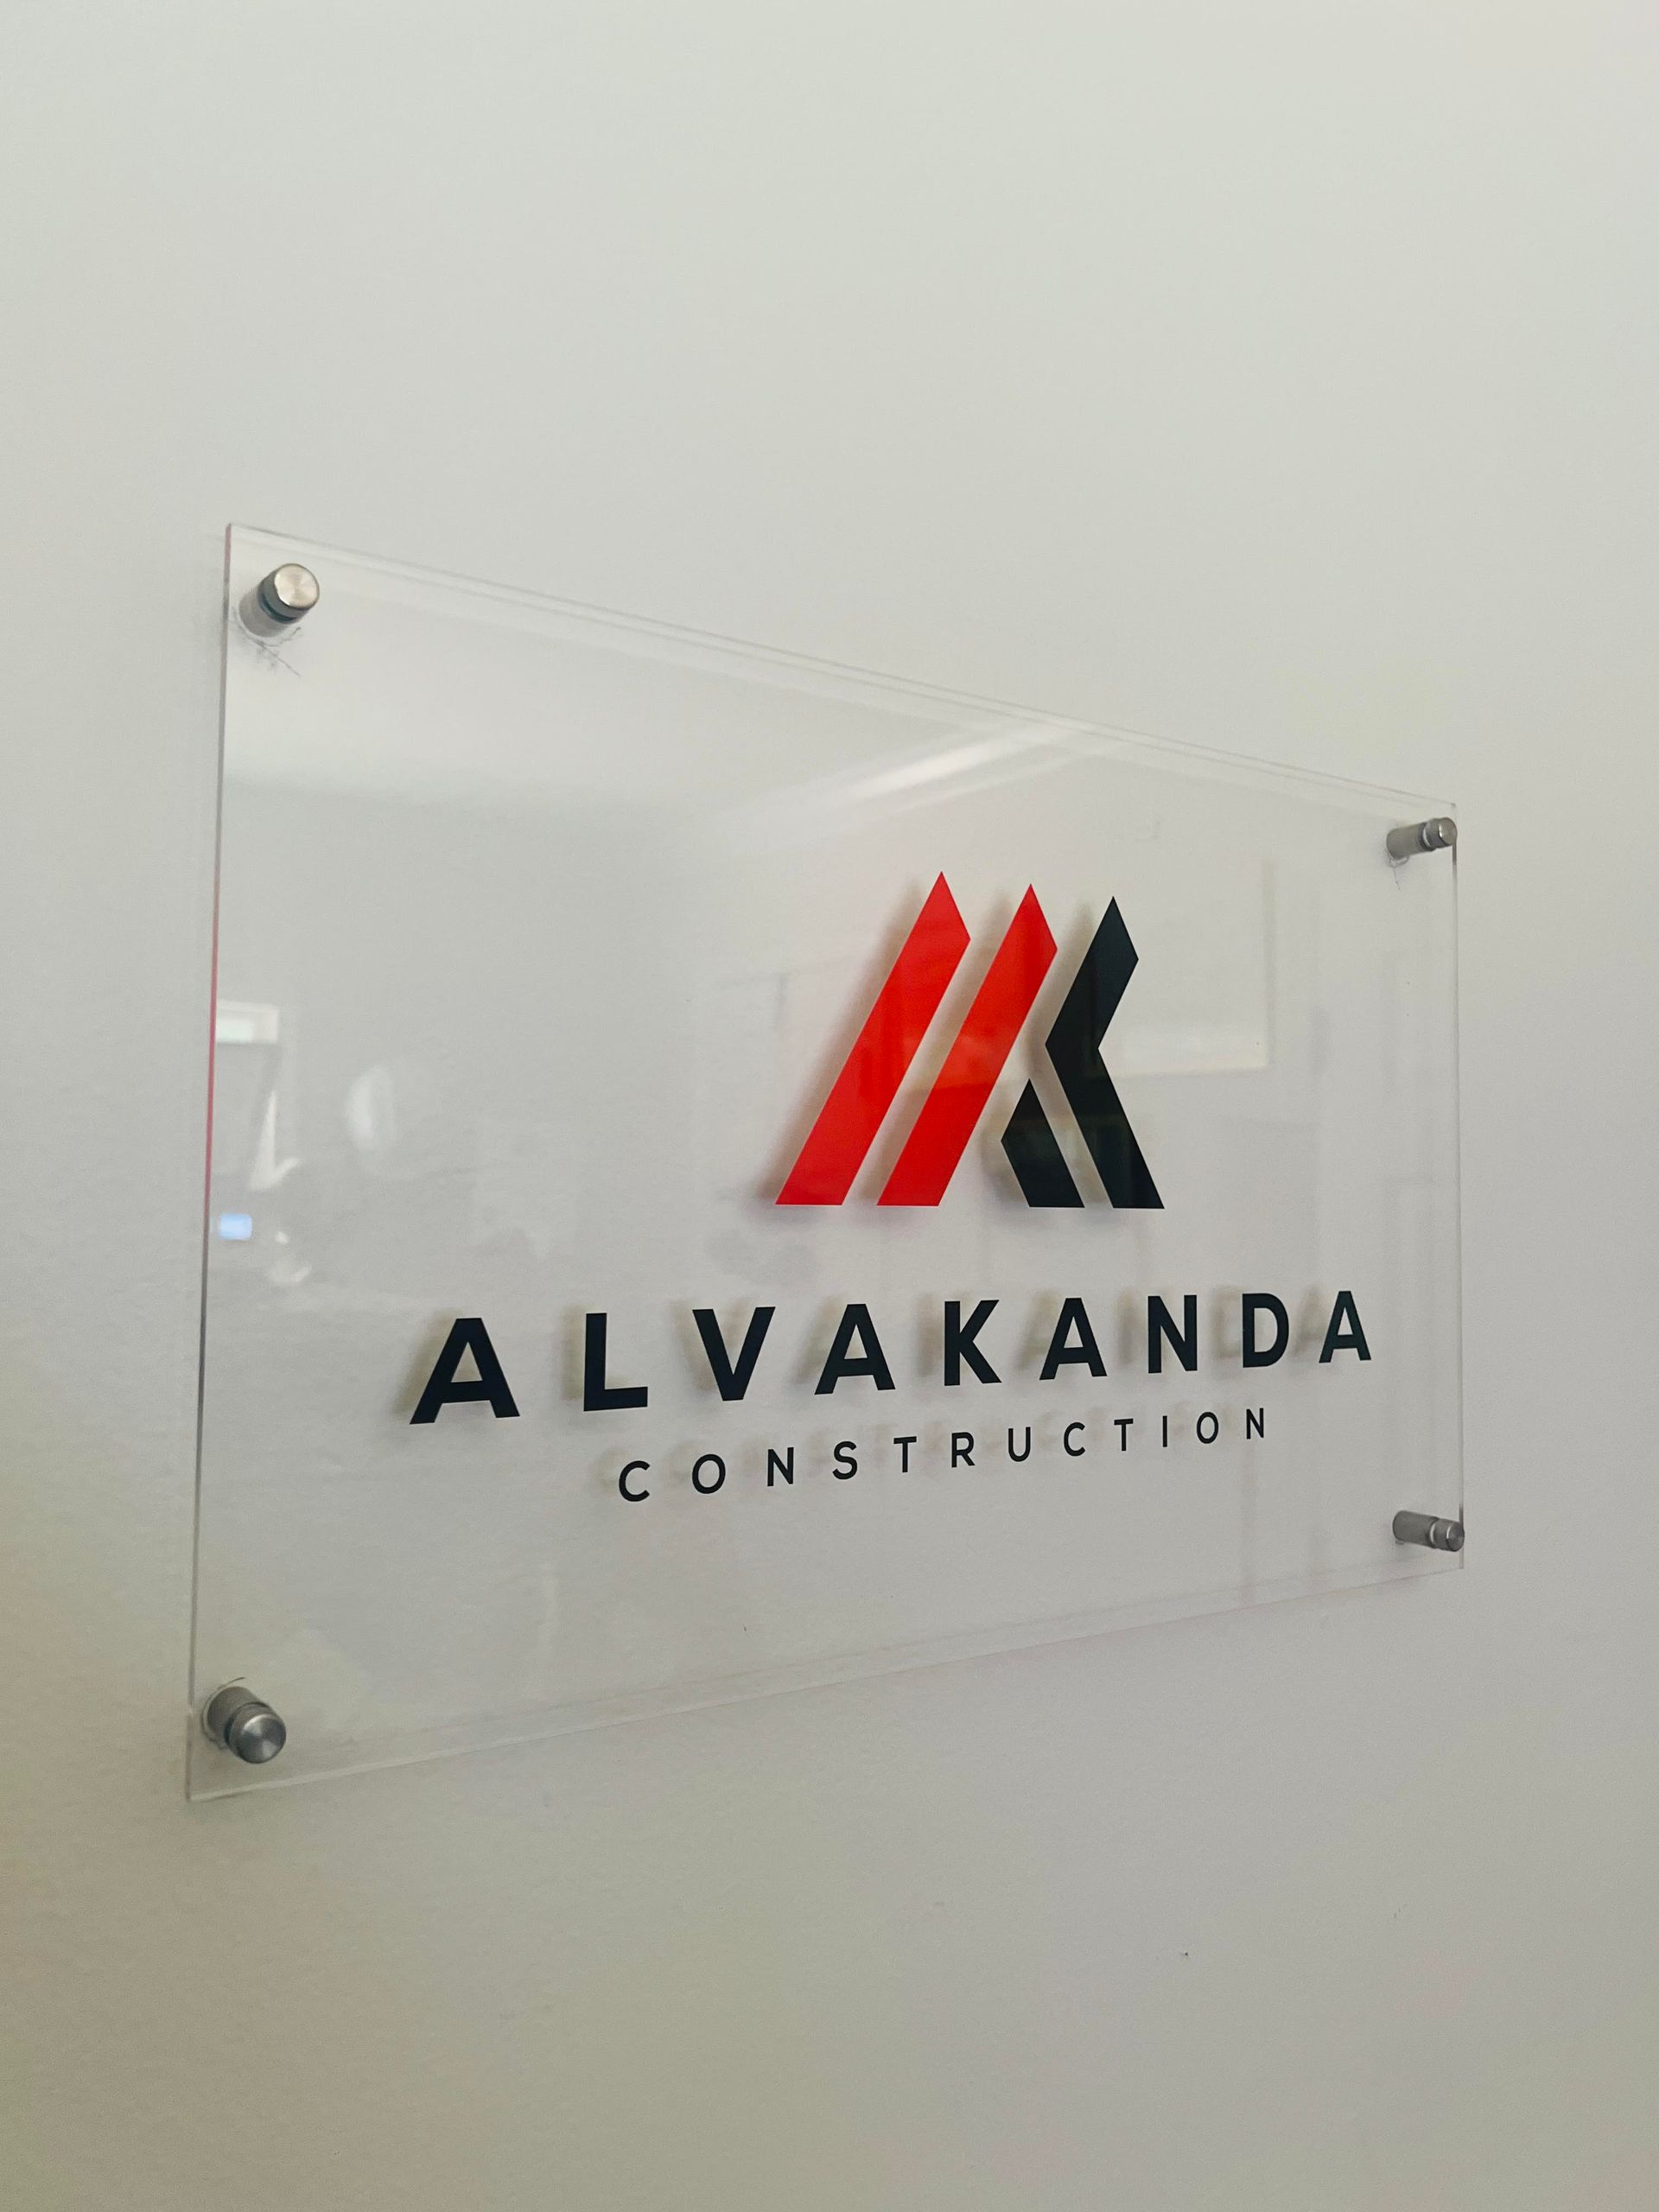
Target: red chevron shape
[[869, 1083], [951, 1110]]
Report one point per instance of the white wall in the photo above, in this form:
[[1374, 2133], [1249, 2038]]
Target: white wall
[[1281, 377]]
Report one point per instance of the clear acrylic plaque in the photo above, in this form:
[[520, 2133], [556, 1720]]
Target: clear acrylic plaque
[[746, 1110]]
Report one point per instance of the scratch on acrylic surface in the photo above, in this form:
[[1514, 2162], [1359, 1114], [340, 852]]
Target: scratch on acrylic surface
[[268, 650]]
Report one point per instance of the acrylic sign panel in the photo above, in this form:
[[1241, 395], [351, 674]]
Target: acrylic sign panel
[[845, 1175]]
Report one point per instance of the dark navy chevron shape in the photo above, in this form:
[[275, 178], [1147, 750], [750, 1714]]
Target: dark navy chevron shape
[[1074, 1044]]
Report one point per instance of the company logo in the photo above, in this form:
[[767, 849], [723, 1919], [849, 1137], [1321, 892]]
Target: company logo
[[864, 1091]]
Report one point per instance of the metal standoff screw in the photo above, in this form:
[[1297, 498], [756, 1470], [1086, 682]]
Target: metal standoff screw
[[288, 592], [1433, 1529], [1437, 835], [241, 1723]]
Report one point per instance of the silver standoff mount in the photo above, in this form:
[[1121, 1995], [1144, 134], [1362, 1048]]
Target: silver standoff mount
[[240, 1722], [277, 601], [1437, 835], [1433, 1529]]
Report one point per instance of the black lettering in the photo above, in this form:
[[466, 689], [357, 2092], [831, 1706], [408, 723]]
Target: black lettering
[[777, 1466], [633, 1467], [1183, 1342], [1350, 1338], [962, 1447], [1215, 1429], [1264, 1301], [1073, 1451], [1062, 1353], [904, 1444], [441, 1388], [837, 1368], [846, 1465], [1017, 1456], [1165, 1443], [709, 1459], [732, 1381], [1256, 1420], [597, 1394], [959, 1342], [1123, 1423]]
